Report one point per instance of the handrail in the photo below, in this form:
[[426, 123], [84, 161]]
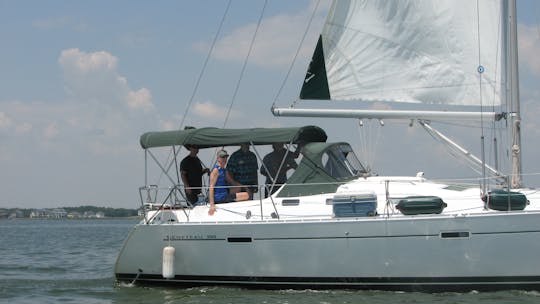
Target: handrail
[[161, 207], [149, 196]]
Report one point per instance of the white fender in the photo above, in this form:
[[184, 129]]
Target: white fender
[[168, 262]]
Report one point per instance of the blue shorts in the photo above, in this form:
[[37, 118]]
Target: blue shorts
[[230, 197]]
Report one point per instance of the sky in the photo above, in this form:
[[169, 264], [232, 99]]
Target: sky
[[80, 81]]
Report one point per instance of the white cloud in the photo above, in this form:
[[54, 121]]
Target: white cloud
[[529, 48], [207, 109], [169, 125], [5, 120], [39, 123], [94, 78], [101, 148], [212, 112], [276, 42], [81, 62], [46, 119], [102, 114], [23, 128], [141, 99], [530, 112], [22, 117], [51, 131], [73, 121]]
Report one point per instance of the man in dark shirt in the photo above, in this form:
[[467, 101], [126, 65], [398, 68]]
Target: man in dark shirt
[[191, 171], [243, 166], [271, 165]]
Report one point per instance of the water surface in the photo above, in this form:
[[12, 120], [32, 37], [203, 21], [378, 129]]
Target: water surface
[[72, 261]]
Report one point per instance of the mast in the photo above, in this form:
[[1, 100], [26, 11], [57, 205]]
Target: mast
[[513, 77]]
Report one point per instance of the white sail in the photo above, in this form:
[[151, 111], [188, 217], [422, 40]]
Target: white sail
[[420, 51]]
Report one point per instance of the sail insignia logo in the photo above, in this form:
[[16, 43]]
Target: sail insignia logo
[[309, 76]]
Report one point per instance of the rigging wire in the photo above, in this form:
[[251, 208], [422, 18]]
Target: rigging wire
[[203, 69], [480, 72], [370, 135], [233, 99], [195, 89], [242, 71], [494, 146], [455, 153], [498, 134], [296, 54]]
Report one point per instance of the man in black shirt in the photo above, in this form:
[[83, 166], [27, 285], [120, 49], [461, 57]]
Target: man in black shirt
[[192, 171]]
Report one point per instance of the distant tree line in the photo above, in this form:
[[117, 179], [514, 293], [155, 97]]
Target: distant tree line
[[107, 211]]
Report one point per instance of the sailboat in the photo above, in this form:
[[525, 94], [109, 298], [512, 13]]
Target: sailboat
[[334, 223]]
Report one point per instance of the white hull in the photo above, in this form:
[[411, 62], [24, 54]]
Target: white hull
[[459, 249], [318, 234]]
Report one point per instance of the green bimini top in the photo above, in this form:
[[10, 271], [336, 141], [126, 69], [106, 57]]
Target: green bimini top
[[216, 137]]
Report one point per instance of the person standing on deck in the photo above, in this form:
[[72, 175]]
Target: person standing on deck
[[271, 164], [191, 171]]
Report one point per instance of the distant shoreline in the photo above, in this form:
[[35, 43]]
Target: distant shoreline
[[81, 212], [72, 219]]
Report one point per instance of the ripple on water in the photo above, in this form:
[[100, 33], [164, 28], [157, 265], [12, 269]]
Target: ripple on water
[[72, 261]]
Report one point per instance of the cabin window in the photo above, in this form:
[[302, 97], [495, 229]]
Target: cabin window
[[340, 162]]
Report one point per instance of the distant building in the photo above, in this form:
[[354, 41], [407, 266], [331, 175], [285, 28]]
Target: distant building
[[58, 213], [38, 213], [89, 214], [74, 215]]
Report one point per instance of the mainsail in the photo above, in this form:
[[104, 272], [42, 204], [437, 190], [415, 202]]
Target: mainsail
[[431, 52]]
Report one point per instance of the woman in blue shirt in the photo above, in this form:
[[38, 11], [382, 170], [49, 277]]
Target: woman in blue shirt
[[218, 191]]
